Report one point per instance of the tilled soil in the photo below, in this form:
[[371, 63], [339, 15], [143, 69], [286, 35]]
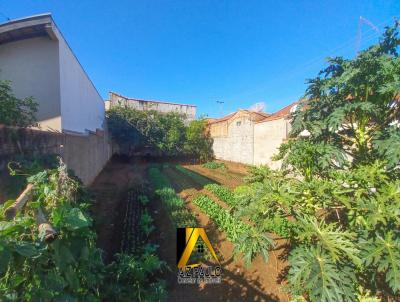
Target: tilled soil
[[110, 195], [259, 282], [231, 176]]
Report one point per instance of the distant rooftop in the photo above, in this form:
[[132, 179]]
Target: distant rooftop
[[148, 101]]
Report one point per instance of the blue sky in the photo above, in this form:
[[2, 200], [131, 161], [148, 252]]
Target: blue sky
[[200, 52]]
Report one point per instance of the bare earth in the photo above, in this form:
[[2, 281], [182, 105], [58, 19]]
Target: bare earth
[[259, 282]]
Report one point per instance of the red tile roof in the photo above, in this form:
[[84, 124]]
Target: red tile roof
[[227, 117], [284, 112]]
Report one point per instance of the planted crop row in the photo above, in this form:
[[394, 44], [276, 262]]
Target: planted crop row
[[223, 193], [247, 240], [201, 180], [130, 236], [232, 227], [158, 179], [173, 204], [214, 165]]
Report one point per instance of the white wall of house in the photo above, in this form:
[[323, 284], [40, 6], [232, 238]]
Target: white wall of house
[[32, 66], [268, 136], [238, 145], [82, 107]]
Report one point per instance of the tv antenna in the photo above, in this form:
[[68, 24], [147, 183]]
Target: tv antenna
[[362, 21], [221, 106]]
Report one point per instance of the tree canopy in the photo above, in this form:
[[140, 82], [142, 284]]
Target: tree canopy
[[15, 111], [166, 133]]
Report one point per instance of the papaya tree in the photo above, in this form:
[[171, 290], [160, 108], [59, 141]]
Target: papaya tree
[[337, 196]]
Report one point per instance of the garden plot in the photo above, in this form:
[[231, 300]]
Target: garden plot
[[259, 281]]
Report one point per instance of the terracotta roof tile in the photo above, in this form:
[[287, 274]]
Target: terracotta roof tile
[[284, 112]]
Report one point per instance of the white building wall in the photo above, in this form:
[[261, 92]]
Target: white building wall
[[268, 136], [238, 145], [82, 107], [32, 66]]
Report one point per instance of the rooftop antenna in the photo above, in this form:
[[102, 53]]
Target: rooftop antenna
[[221, 106], [362, 21]]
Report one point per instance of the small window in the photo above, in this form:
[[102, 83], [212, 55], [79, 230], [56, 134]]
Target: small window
[[238, 123]]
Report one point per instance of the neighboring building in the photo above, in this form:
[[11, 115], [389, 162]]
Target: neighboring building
[[250, 137], [37, 60], [233, 135], [269, 134], [116, 99]]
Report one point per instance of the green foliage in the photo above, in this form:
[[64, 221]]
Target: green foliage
[[222, 193], [165, 133], [158, 179], [382, 255], [137, 272], [312, 271], [200, 179], [246, 239], [338, 191], [351, 105], [175, 206], [258, 174], [213, 165], [14, 111], [253, 243], [71, 266], [198, 142]]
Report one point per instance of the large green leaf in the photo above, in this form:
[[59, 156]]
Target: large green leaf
[[314, 272], [27, 249], [384, 254], [75, 220]]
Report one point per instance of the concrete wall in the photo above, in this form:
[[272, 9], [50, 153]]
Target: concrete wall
[[32, 66], [268, 136], [82, 107], [188, 110], [241, 139], [238, 145], [85, 155]]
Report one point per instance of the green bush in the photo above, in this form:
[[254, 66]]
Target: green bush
[[165, 133]]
